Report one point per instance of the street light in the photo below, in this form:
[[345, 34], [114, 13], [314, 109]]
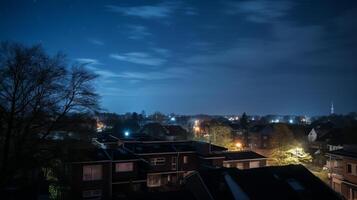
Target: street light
[[239, 145], [126, 133]]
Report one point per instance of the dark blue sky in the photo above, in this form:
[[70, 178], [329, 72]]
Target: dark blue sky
[[214, 57]]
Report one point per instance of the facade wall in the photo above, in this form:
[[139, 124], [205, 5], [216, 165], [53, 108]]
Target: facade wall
[[125, 176], [343, 181], [170, 160], [350, 177], [79, 186], [243, 164]]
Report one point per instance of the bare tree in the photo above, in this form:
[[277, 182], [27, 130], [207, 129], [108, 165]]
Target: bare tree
[[36, 91]]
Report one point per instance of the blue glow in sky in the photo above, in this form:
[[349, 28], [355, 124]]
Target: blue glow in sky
[[214, 57]]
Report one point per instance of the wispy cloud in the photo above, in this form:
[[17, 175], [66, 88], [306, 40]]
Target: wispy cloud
[[161, 10], [89, 61], [96, 41], [161, 51], [139, 58], [190, 11], [259, 10], [148, 11], [278, 52], [169, 73], [137, 32]]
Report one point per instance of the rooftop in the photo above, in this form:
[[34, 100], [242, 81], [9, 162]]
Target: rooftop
[[88, 155], [276, 182], [169, 147], [242, 155], [347, 151]]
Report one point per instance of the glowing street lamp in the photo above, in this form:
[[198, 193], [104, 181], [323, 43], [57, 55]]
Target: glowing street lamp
[[239, 145], [197, 129], [126, 133]]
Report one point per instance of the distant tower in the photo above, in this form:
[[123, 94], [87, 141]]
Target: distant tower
[[332, 109]]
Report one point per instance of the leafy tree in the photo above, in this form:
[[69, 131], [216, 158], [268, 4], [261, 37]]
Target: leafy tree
[[285, 148], [220, 135]]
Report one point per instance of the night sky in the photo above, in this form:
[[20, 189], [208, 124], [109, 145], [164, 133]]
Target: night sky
[[214, 57]]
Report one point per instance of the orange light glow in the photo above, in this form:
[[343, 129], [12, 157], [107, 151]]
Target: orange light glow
[[239, 145]]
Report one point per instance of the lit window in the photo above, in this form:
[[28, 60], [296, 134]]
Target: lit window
[[124, 167], [153, 180], [185, 159], [240, 166], [253, 164], [228, 165], [157, 161], [92, 172]]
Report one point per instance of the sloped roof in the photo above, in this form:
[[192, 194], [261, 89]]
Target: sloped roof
[[242, 155], [291, 182]]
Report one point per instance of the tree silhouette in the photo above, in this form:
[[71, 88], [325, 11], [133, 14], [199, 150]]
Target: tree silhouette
[[36, 91]]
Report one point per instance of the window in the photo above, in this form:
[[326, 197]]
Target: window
[[253, 164], [124, 167], [240, 166], [153, 180], [226, 165], [185, 159], [352, 169], [157, 161], [92, 172], [92, 193], [349, 168], [173, 163]]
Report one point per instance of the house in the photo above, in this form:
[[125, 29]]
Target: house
[[312, 136], [291, 182], [342, 166], [244, 160], [107, 170], [89, 173]]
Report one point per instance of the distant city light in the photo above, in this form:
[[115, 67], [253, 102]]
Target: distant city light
[[196, 122], [275, 121], [291, 121], [172, 119], [126, 133]]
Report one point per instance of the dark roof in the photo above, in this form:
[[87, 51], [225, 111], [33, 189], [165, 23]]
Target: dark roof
[[344, 153], [277, 182], [242, 155], [283, 182], [88, 155], [169, 146], [121, 154]]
